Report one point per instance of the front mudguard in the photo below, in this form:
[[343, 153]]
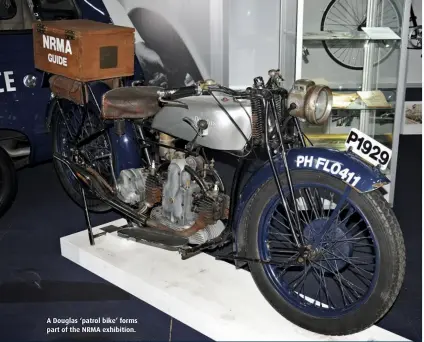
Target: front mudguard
[[342, 165]]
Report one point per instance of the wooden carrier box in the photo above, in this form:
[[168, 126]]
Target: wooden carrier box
[[83, 50]]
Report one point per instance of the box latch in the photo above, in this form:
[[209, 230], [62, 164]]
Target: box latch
[[41, 28], [69, 35]]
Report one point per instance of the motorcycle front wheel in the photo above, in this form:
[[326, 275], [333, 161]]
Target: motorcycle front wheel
[[350, 265]]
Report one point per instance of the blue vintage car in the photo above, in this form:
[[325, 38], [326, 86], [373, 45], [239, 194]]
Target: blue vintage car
[[25, 137]]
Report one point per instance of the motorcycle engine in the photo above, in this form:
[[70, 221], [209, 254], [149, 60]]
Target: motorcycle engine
[[131, 185], [176, 198]]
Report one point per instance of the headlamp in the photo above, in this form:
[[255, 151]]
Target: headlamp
[[312, 102]]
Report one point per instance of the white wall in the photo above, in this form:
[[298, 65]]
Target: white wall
[[190, 18], [244, 42], [253, 39], [251, 30]]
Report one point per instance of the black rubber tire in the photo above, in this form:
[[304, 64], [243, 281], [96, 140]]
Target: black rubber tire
[[392, 253], [9, 182], [94, 205]]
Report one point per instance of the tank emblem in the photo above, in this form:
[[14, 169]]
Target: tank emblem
[[210, 122], [225, 99]]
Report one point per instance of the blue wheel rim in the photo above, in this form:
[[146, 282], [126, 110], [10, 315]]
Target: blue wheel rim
[[335, 258]]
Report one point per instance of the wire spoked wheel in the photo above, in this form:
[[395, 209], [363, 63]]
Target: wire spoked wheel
[[350, 253], [351, 16], [337, 265], [70, 125]]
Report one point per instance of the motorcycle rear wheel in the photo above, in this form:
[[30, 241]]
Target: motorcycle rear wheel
[[331, 261], [61, 145]]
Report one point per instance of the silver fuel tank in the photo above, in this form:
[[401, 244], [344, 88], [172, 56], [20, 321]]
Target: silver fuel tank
[[222, 134]]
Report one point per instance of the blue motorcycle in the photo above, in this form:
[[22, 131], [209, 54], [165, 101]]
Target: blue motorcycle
[[322, 244]]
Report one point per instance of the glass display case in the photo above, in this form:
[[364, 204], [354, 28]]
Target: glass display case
[[358, 49]]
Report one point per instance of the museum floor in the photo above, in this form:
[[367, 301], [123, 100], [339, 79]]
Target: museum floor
[[36, 283]]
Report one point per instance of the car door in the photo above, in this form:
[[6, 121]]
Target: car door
[[23, 100]]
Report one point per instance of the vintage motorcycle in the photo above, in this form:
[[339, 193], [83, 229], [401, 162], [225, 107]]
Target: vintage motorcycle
[[319, 239]]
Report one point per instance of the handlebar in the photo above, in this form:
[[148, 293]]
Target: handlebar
[[178, 93], [174, 94]]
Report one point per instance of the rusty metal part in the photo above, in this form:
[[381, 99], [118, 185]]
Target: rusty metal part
[[153, 191], [226, 213], [95, 174], [213, 209], [199, 224]]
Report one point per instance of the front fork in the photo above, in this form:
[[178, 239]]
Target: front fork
[[295, 225]]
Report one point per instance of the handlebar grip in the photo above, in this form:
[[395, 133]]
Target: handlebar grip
[[177, 93]]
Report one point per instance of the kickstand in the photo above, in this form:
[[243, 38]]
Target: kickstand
[[87, 217]]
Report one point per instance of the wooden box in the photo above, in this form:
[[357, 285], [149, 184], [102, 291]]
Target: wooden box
[[83, 50]]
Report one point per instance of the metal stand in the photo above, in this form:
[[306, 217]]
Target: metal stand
[[91, 236], [87, 217]]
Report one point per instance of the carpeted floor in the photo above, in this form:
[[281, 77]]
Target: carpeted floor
[[36, 283]]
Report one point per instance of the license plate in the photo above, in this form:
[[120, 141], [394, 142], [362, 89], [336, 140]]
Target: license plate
[[368, 148]]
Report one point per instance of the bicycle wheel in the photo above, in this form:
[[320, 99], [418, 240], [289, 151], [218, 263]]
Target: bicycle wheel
[[350, 16], [415, 37]]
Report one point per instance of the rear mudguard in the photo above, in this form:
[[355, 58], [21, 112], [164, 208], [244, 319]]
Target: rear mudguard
[[342, 165], [125, 148]]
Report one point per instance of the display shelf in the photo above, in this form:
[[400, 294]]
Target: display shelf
[[375, 58], [332, 35], [352, 35], [348, 100], [359, 105], [209, 296]]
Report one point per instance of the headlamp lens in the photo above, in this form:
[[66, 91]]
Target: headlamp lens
[[321, 104]]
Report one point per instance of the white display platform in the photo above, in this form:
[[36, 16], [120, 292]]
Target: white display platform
[[209, 296]]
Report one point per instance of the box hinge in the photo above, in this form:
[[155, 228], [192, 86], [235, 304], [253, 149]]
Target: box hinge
[[69, 35], [41, 28]]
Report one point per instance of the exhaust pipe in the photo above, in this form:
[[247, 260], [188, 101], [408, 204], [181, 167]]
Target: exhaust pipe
[[100, 188], [104, 192]]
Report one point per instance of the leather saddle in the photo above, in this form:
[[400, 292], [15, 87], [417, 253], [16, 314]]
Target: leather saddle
[[130, 103]]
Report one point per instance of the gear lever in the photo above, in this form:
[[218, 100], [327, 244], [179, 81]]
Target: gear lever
[[201, 130]]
